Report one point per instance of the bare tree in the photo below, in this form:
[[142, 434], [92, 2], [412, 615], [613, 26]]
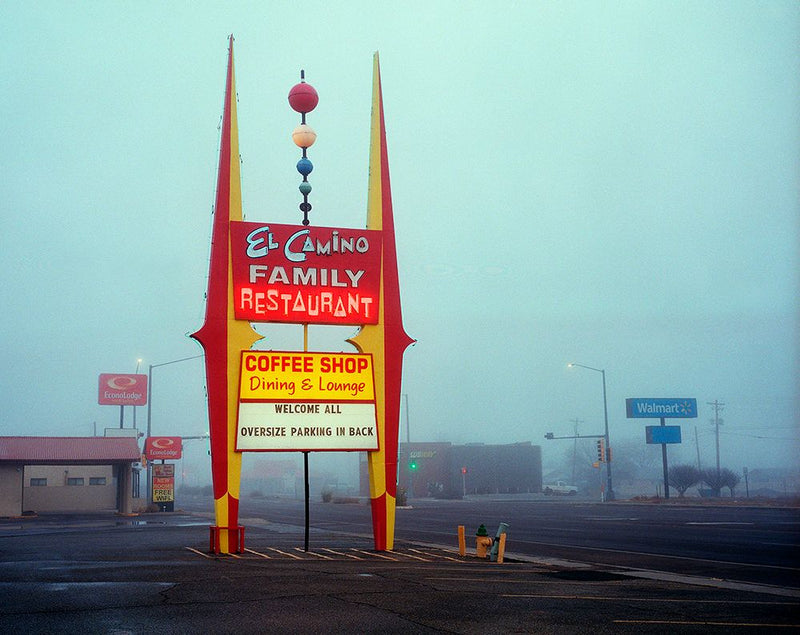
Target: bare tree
[[585, 455], [729, 479], [635, 460], [682, 477]]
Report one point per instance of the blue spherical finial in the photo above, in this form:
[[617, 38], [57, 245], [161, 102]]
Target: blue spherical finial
[[304, 166]]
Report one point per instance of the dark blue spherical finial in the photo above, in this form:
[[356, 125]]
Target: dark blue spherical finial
[[304, 166]]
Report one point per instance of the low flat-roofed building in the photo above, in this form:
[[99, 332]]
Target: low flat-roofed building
[[66, 474]]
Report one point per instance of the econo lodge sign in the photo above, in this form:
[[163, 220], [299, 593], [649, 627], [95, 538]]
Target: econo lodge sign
[[162, 448], [306, 401], [117, 389], [305, 275]]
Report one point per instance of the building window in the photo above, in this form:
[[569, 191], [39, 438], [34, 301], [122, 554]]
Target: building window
[[97, 480], [38, 482], [75, 481]]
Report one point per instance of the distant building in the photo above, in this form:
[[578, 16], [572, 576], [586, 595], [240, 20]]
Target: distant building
[[444, 470], [272, 477]]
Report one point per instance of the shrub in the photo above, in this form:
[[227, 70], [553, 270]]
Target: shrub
[[716, 480]]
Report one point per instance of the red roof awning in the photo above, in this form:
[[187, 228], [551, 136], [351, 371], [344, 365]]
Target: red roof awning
[[62, 450]]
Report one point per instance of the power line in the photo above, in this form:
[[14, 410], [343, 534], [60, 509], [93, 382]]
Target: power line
[[733, 433], [728, 433]]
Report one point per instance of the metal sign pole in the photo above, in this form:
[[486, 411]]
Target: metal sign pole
[[305, 454], [305, 473], [664, 461]]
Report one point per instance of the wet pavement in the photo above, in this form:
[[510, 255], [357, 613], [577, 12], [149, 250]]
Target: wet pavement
[[154, 573]]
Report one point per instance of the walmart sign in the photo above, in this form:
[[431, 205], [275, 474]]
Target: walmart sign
[[674, 408]]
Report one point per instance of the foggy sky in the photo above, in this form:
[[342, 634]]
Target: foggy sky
[[609, 184]]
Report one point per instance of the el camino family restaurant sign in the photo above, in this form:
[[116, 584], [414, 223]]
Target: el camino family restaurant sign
[[305, 275], [298, 274]]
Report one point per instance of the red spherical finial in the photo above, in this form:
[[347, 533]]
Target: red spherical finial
[[303, 97]]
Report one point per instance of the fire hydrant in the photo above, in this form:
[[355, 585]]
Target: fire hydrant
[[482, 541]]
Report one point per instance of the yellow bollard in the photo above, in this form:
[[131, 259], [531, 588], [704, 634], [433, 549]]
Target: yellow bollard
[[462, 542], [501, 548], [496, 545]]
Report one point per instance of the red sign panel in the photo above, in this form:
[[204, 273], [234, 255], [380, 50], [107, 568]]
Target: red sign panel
[[305, 275], [164, 483], [117, 389], [162, 448]]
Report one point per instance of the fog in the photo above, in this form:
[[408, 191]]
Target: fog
[[609, 184]]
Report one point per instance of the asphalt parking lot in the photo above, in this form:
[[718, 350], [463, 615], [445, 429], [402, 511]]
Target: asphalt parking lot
[[153, 573]]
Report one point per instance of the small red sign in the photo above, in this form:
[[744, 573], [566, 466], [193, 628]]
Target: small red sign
[[118, 389], [162, 448], [163, 482]]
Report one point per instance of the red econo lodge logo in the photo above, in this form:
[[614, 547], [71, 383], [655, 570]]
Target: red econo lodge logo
[[122, 390], [162, 448]]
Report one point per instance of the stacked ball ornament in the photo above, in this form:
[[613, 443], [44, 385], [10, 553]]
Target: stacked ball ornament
[[303, 99]]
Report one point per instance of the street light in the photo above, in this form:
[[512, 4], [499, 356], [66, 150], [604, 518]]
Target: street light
[[609, 487], [136, 372], [149, 407]]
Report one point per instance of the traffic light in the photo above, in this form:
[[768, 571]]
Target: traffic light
[[548, 435], [413, 465], [601, 455], [608, 454]]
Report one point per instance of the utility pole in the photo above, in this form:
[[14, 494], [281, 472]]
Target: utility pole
[[697, 447], [575, 448], [718, 407], [410, 491]]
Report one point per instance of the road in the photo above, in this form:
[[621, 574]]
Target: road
[[747, 544], [102, 573]]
